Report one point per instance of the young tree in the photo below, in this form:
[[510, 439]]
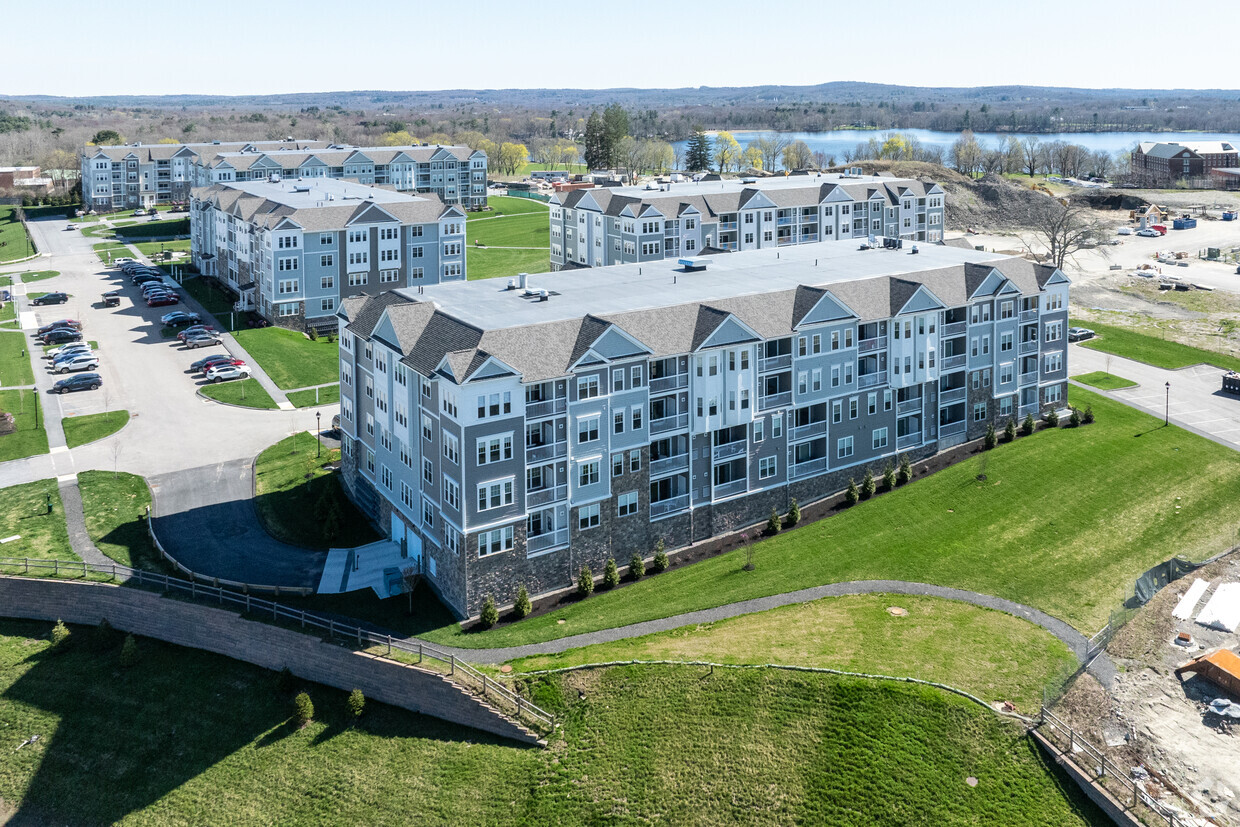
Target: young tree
[[773, 524], [611, 573], [852, 494], [522, 607], [889, 476], [867, 484], [727, 151], [697, 158], [1063, 229], [410, 576], [489, 615], [966, 154], [753, 156], [597, 156], [637, 567], [107, 137], [1009, 430], [303, 709], [794, 514], [992, 438], [585, 582], [615, 127], [797, 155], [660, 562], [356, 703], [1027, 426], [905, 474]]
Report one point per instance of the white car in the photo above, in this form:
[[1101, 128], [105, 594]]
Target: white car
[[222, 373], [1148, 233], [80, 361], [1124, 231], [64, 350], [117, 262]]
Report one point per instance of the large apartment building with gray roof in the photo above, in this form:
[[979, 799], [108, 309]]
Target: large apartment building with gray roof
[[622, 225], [505, 435], [292, 250]]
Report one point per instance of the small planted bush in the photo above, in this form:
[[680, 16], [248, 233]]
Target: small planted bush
[[794, 514], [611, 574], [129, 652], [303, 709], [852, 495], [489, 615], [1009, 430], [104, 636], [1088, 416], [773, 524], [905, 474], [356, 703], [523, 606], [1074, 419], [889, 476], [992, 439], [1027, 427], [585, 582], [867, 485], [1052, 418], [660, 562], [637, 567], [60, 633]]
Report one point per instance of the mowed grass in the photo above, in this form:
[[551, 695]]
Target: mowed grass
[[988, 653], [153, 249], [212, 298], [24, 515], [1046, 528], [14, 243], [244, 392], [1105, 381], [185, 737], [527, 230], [493, 264], [110, 251], [1161, 353], [115, 506], [38, 275], [154, 229], [295, 493], [80, 430], [15, 359], [329, 395], [291, 359], [28, 440], [510, 205]]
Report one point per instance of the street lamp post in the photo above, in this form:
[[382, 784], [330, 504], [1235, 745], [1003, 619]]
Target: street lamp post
[[318, 425], [1167, 410]]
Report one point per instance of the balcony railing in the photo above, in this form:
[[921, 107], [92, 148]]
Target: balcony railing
[[908, 441], [869, 380], [552, 450], [953, 362], [669, 423], [546, 496], [778, 400], [1031, 408], [547, 407], [727, 489], [809, 237], [952, 428], [669, 383], [727, 225], [867, 345], [669, 506], [1029, 315], [952, 396], [1029, 378], [953, 329], [669, 465], [801, 432], [549, 540], [805, 469], [782, 220], [729, 450], [908, 406], [1028, 347], [770, 363]]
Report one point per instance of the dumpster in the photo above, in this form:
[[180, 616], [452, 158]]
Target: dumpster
[[1229, 215], [1231, 382]]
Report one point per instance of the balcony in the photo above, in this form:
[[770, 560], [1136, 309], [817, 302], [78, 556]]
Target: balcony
[[805, 469], [669, 383], [801, 432], [1026, 410], [1028, 347], [546, 496], [953, 329], [783, 220], [771, 363], [544, 542], [729, 450], [952, 428], [1029, 315], [547, 407], [727, 225], [869, 380], [732, 488], [952, 396], [954, 362], [778, 400], [908, 406], [807, 237], [908, 441], [669, 465], [663, 508], [540, 453], [1029, 378], [669, 423], [868, 345]]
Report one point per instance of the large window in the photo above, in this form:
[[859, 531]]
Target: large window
[[493, 542], [626, 504], [588, 473], [494, 494], [588, 517]]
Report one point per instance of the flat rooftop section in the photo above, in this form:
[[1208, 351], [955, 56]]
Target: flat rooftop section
[[307, 193], [688, 188], [489, 305]]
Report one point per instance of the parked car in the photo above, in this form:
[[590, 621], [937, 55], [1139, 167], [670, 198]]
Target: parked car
[[1079, 334], [335, 431], [73, 324], [204, 339], [144, 277], [51, 298], [74, 347], [207, 362], [158, 287], [81, 382], [194, 330], [222, 373], [60, 336], [179, 317], [111, 300], [1147, 233], [122, 261], [78, 361], [163, 300]]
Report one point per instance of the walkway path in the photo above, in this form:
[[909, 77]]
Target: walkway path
[[75, 518]]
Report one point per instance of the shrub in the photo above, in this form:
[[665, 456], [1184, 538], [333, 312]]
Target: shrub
[[303, 708], [523, 606], [992, 439], [356, 703], [104, 636], [905, 474], [1052, 418], [637, 567], [1009, 430], [585, 582], [1088, 416], [285, 682], [60, 633], [1075, 418], [611, 574], [794, 514], [867, 484], [1027, 427], [773, 524], [312, 334], [852, 495], [889, 476], [660, 562], [129, 652], [489, 614]]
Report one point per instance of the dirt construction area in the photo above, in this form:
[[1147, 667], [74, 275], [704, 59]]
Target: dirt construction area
[[1159, 724]]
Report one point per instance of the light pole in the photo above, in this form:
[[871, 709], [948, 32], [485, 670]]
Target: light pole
[[318, 430], [1167, 410]]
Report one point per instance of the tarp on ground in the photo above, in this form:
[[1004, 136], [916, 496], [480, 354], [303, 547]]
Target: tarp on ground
[[1184, 609], [1222, 612]]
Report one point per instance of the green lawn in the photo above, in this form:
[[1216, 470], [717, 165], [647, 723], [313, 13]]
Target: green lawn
[[1132, 344], [80, 430], [295, 493], [491, 264], [110, 250], [23, 514], [152, 249], [244, 392], [990, 654], [528, 230], [15, 359], [154, 229], [329, 395], [14, 243], [27, 440], [291, 359], [508, 205], [212, 298], [185, 737], [8, 315], [1018, 534], [38, 275], [1105, 381], [115, 506]]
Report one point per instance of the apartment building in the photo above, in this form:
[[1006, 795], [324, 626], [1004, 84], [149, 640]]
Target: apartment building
[[292, 250], [505, 436], [621, 225], [1165, 162], [454, 174], [144, 175]]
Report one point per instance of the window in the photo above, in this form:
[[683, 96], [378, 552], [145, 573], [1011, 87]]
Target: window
[[288, 286], [816, 342], [979, 412], [617, 464], [837, 412], [635, 417], [871, 404], [494, 494], [491, 405], [327, 305], [635, 461], [757, 430], [328, 260], [451, 270], [587, 387], [494, 449], [835, 376], [428, 471], [767, 468], [844, 447], [388, 276], [1053, 362], [357, 279], [287, 264], [587, 428], [493, 542], [1054, 330], [886, 400], [626, 504], [1005, 342], [1054, 394], [588, 517], [1005, 373], [428, 514], [1005, 406], [1007, 309], [451, 449], [852, 407], [587, 473], [617, 380], [359, 258], [635, 377], [879, 439], [777, 426]]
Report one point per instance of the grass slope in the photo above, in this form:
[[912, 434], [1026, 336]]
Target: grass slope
[[509, 205], [1045, 529], [15, 366], [291, 359], [493, 264], [246, 393], [527, 230], [38, 275], [1105, 381], [185, 737], [14, 243], [27, 440], [80, 430], [115, 506], [329, 395], [23, 513], [294, 491], [1158, 352], [213, 299], [154, 229]]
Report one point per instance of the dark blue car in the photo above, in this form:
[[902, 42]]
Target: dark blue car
[[81, 382]]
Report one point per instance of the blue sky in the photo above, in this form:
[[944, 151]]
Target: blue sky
[[278, 46]]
